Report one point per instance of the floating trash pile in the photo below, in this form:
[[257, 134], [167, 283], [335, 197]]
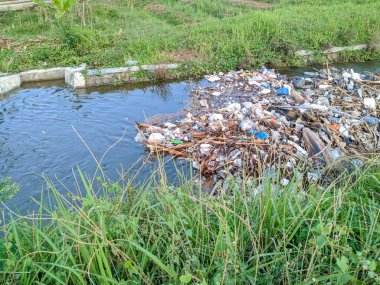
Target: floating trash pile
[[245, 122]]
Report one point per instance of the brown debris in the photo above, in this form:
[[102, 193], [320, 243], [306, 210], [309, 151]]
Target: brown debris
[[246, 122]]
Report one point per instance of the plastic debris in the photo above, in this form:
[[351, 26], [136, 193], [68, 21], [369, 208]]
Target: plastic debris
[[169, 125], [283, 91], [261, 136], [252, 120], [205, 148], [216, 117], [156, 138], [299, 82], [246, 125], [371, 120], [139, 139], [370, 103]]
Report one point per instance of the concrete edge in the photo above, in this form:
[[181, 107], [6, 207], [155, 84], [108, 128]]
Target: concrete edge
[[17, 6], [334, 50], [79, 76], [42, 74], [9, 83]]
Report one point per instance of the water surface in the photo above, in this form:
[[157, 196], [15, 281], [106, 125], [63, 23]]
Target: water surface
[[37, 132]]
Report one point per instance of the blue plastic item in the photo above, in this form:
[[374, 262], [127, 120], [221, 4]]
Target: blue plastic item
[[371, 120], [250, 132], [283, 91], [261, 135]]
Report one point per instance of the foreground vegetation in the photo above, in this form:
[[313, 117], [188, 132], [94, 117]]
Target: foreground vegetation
[[164, 234], [208, 35]]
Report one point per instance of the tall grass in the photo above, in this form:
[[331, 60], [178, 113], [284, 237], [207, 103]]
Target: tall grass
[[164, 234]]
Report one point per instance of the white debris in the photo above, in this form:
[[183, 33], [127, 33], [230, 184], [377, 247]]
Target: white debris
[[213, 78], [370, 103], [216, 117], [284, 182], [343, 130], [232, 108], [169, 125], [265, 91], [156, 138], [247, 105], [139, 139], [246, 125], [324, 86], [205, 148]]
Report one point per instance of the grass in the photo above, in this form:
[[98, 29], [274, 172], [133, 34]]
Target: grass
[[165, 234], [207, 35]]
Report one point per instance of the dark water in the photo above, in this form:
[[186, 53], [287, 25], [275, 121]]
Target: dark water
[[373, 66], [37, 133]]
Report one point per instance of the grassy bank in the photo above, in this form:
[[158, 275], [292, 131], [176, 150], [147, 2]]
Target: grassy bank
[[208, 35], [161, 234]]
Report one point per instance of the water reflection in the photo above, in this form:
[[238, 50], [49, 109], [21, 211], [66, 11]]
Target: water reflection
[[38, 128]]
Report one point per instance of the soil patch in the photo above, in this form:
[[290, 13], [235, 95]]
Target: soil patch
[[252, 4], [155, 8], [183, 55]]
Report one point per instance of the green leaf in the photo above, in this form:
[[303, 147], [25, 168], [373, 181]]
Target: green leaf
[[344, 278], [59, 14], [372, 266], [342, 263], [154, 258], [189, 232], [185, 279], [128, 265], [321, 241]]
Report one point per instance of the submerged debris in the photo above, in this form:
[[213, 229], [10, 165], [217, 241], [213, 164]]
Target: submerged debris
[[247, 121]]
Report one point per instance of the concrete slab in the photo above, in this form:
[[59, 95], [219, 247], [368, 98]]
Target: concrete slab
[[105, 71], [74, 76], [16, 7], [9, 83], [159, 67], [331, 50], [339, 49], [14, 2], [304, 52], [43, 74]]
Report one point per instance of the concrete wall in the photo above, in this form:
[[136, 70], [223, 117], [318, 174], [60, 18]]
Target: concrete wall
[[81, 77]]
